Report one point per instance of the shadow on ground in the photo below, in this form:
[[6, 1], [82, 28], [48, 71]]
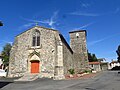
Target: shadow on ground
[[2, 84]]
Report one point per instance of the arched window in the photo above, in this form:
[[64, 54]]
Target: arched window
[[36, 38]]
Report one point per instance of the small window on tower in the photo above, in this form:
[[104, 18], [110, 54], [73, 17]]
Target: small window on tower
[[77, 35]]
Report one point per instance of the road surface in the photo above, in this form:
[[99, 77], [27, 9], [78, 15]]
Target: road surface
[[107, 80]]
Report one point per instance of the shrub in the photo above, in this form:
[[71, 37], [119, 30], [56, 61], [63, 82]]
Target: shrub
[[71, 71], [87, 71]]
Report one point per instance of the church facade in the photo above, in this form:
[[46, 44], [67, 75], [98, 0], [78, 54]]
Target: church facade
[[45, 52]]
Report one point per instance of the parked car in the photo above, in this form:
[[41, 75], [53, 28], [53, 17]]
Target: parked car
[[2, 73]]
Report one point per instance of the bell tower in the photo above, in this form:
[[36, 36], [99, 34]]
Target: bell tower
[[78, 45], [78, 41]]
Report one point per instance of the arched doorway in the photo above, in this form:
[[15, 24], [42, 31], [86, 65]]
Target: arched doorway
[[35, 66]]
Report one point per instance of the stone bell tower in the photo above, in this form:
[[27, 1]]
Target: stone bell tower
[[78, 41], [78, 45]]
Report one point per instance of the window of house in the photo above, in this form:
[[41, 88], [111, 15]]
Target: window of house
[[36, 38]]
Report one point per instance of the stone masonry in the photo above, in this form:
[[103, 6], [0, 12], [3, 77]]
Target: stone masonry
[[54, 56]]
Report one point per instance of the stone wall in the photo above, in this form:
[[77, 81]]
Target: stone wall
[[78, 45], [78, 41], [79, 61], [67, 56], [19, 55], [59, 64], [54, 54], [22, 49]]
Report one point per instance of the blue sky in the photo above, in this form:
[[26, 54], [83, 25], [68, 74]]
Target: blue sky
[[101, 19]]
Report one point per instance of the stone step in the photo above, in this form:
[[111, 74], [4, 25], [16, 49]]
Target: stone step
[[28, 77]]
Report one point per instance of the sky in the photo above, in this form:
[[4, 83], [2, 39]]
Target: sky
[[101, 19]]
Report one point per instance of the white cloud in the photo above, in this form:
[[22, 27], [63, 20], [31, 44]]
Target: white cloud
[[101, 40], [81, 13], [25, 26], [10, 43], [97, 41], [83, 27], [85, 14], [3, 42], [85, 5], [51, 22]]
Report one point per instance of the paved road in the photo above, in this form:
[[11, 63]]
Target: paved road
[[108, 80]]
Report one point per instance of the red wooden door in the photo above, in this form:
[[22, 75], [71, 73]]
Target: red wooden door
[[34, 67]]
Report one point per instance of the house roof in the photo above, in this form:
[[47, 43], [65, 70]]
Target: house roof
[[101, 59], [114, 62], [95, 63]]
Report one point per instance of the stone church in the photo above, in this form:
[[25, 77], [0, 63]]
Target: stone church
[[44, 52]]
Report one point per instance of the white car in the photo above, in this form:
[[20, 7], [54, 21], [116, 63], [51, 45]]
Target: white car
[[2, 73]]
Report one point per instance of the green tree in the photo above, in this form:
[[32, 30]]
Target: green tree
[[118, 53], [6, 54], [92, 57]]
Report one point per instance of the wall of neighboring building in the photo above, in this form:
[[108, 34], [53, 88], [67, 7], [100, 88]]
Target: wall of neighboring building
[[113, 64], [1, 62], [95, 67], [104, 65]]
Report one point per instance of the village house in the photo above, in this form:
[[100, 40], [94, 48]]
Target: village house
[[113, 64], [44, 52], [104, 64], [2, 71], [95, 66], [1, 62], [99, 65]]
